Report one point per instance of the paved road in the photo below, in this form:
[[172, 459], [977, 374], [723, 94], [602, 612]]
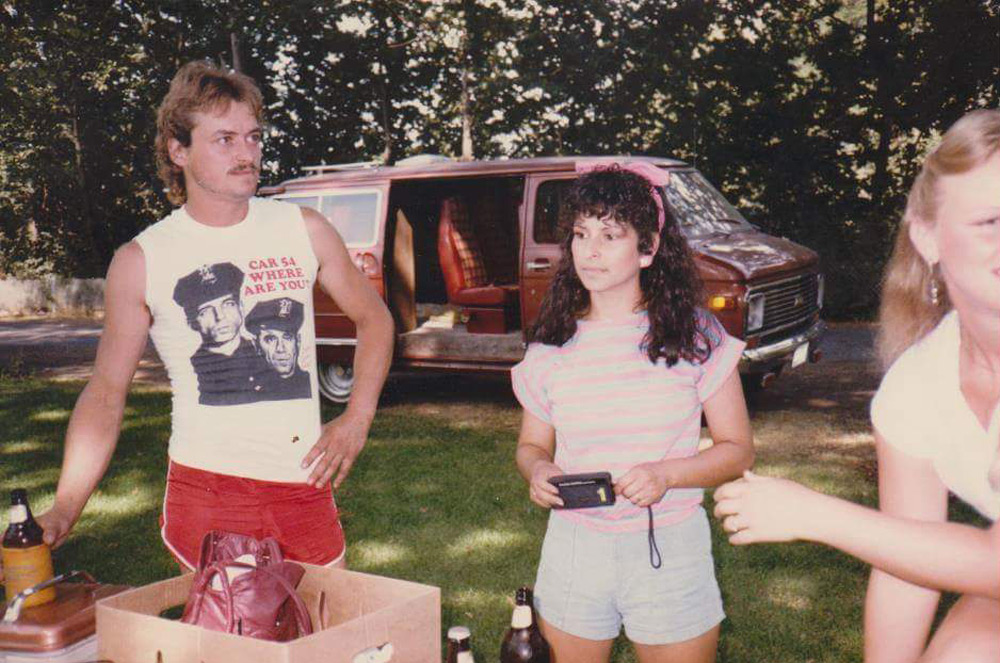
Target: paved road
[[852, 341], [62, 349], [65, 349]]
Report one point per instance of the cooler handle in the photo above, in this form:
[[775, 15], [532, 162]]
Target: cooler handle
[[13, 611]]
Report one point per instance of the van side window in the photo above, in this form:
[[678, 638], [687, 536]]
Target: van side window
[[354, 215], [305, 201], [548, 201]]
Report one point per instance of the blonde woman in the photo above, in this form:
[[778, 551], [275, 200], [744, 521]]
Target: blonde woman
[[936, 420]]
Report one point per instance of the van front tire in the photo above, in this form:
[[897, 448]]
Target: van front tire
[[336, 382]]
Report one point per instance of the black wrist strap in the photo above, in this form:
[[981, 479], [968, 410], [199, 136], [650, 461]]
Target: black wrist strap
[[654, 552]]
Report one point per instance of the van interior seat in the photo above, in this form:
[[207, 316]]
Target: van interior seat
[[462, 264]]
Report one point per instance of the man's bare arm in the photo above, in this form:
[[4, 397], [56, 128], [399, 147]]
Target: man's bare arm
[[343, 438], [96, 420]]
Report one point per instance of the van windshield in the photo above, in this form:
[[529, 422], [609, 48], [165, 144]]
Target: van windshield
[[699, 208], [353, 213]]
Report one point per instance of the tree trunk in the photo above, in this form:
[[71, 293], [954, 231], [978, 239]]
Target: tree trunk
[[87, 233], [383, 58], [469, 43], [881, 105], [467, 153], [234, 47]]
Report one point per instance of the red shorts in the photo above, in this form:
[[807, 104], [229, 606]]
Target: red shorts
[[303, 519]]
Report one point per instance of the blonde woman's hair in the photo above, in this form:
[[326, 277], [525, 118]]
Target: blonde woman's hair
[[198, 86], [907, 313]]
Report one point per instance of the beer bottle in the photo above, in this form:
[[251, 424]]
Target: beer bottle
[[26, 559], [459, 650], [523, 642]]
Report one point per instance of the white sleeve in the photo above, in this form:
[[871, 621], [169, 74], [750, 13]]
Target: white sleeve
[[899, 408]]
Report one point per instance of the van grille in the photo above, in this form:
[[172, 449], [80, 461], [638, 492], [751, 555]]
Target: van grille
[[788, 302]]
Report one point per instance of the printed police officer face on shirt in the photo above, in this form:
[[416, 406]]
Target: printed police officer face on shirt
[[219, 319], [281, 350], [223, 159]]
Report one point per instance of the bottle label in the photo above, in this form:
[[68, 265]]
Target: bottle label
[[18, 513], [26, 567], [465, 657], [521, 617]]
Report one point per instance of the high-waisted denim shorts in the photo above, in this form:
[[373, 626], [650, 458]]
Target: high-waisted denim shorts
[[590, 583]]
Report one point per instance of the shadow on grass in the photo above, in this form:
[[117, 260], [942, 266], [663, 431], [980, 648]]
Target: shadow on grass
[[836, 387], [117, 537], [472, 388]]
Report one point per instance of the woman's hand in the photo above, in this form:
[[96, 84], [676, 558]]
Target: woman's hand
[[643, 485], [758, 509], [543, 493]]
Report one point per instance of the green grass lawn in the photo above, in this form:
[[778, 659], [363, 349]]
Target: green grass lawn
[[435, 498]]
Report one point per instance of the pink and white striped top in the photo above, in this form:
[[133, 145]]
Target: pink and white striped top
[[613, 409]]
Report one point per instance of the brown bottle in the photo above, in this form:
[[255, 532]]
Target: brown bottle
[[26, 559], [459, 649], [523, 642]]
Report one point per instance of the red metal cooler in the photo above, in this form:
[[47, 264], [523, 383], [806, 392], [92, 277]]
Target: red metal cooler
[[61, 631]]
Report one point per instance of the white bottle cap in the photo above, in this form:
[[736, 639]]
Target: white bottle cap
[[459, 633]]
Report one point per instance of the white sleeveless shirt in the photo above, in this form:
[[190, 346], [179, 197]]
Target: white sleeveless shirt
[[920, 409], [233, 323]]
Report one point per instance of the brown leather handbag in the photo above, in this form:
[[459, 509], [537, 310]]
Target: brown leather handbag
[[261, 602]]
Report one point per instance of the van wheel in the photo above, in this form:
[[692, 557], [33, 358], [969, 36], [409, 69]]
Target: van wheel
[[336, 382]]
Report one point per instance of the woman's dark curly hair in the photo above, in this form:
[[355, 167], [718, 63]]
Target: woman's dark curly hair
[[671, 287]]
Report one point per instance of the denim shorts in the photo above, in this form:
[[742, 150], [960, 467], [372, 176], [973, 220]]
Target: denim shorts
[[590, 583]]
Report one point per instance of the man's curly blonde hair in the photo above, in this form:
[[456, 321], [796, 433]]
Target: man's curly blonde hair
[[197, 87]]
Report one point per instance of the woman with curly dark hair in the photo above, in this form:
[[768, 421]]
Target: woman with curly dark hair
[[621, 365]]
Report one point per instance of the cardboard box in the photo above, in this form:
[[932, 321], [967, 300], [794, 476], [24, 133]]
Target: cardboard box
[[359, 611]]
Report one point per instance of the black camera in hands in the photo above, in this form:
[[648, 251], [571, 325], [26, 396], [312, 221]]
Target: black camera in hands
[[584, 491]]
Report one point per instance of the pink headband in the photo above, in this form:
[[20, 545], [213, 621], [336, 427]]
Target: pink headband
[[656, 177]]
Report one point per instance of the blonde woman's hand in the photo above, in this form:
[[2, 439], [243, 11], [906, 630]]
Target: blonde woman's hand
[[758, 509], [541, 492]]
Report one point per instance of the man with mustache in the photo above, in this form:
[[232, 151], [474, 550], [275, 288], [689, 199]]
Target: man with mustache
[[242, 460]]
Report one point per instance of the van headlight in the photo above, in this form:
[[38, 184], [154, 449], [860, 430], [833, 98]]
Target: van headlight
[[755, 312]]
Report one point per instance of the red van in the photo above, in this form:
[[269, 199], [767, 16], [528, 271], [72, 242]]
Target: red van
[[462, 253]]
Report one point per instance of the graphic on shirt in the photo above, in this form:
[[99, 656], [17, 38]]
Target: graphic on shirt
[[276, 325], [241, 361]]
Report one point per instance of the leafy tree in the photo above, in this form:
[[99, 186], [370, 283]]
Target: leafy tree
[[813, 116]]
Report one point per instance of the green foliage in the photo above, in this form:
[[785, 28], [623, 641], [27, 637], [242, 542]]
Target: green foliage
[[812, 116]]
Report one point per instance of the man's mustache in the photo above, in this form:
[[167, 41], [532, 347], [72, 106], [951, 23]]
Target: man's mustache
[[239, 170]]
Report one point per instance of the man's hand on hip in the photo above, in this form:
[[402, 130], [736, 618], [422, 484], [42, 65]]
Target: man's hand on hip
[[338, 446]]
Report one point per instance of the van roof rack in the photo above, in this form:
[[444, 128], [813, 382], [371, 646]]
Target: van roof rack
[[357, 165]]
